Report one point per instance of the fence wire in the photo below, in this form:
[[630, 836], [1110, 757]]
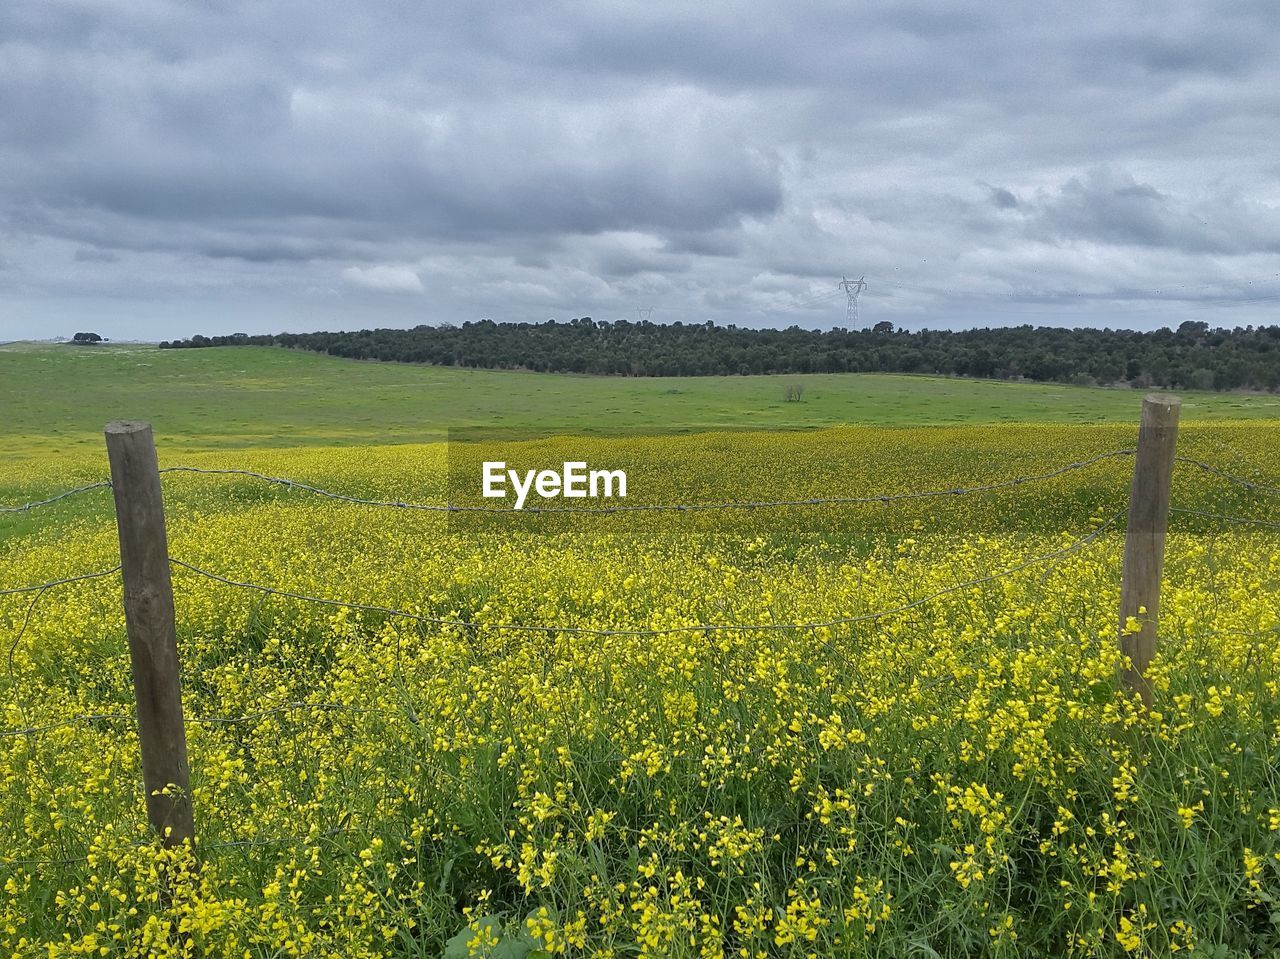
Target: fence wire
[[603, 511], [1229, 477], [40, 587], [550, 628], [71, 721], [1225, 518], [663, 507], [706, 628], [26, 507], [660, 631], [553, 629], [658, 507], [201, 847], [298, 706]]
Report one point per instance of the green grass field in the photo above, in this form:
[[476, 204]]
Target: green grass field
[[57, 398]]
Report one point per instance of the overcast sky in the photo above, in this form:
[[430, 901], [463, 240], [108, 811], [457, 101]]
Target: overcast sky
[[168, 168]]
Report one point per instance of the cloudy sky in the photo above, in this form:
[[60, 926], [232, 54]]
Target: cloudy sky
[[169, 168]]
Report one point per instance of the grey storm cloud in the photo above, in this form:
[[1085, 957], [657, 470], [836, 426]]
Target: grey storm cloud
[[1000, 197], [217, 164], [1115, 209]]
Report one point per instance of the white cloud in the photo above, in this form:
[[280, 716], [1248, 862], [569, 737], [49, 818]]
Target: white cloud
[[385, 278]]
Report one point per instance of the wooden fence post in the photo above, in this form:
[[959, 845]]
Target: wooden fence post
[[1144, 539], [149, 620]]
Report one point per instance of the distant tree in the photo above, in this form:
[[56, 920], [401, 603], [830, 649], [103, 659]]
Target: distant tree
[[884, 326], [1201, 379], [795, 392], [86, 338]]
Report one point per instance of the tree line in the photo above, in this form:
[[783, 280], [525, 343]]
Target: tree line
[[1191, 357]]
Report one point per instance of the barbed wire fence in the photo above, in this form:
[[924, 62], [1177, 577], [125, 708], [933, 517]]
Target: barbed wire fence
[[28, 507], [1148, 510]]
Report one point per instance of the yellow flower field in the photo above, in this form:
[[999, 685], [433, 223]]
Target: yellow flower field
[[960, 776]]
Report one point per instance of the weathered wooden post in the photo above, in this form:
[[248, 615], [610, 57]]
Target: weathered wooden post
[[149, 620], [1144, 540]]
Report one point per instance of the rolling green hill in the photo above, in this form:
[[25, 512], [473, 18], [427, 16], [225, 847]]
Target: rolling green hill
[[56, 399]]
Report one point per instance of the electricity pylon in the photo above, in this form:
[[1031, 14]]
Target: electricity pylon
[[851, 290]]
